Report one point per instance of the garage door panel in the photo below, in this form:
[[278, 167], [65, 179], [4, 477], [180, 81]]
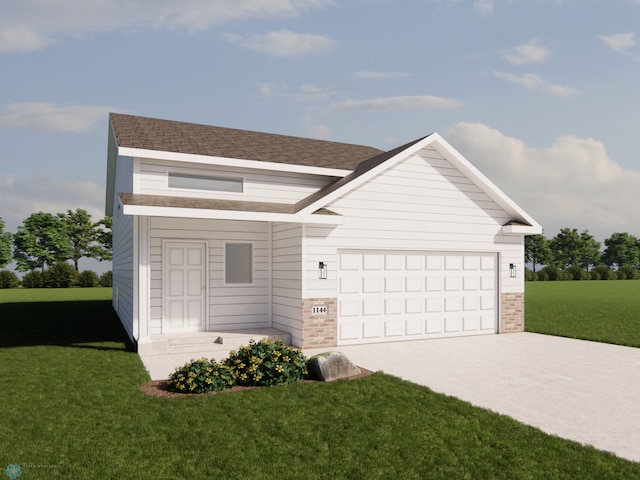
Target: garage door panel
[[387, 296], [393, 328]]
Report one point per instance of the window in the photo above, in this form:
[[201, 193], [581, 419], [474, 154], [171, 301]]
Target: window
[[203, 182], [238, 263]]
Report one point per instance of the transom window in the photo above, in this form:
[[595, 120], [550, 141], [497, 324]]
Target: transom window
[[238, 263], [205, 182]]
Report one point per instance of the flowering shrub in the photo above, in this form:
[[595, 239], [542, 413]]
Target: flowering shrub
[[201, 376], [266, 363]]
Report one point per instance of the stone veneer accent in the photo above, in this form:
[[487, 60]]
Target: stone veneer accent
[[319, 330], [512, 312]]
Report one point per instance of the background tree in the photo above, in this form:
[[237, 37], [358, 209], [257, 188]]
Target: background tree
[[566, 247], [536, 250], [590, 251], [87, 239], [104, 247], [621, 249], [40, 241], [5, 245]]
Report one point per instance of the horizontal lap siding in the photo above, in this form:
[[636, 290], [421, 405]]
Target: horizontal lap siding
[[123, 237], [259, 185], [230, 306], [423, 203], [287, 279]]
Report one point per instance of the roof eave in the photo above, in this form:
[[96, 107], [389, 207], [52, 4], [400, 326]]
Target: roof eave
[[230, 162], [156, 211]]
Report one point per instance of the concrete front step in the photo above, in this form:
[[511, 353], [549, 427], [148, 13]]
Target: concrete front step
[[161, 354]]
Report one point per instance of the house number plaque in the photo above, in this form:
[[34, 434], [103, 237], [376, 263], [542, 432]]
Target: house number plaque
[[319, 310]]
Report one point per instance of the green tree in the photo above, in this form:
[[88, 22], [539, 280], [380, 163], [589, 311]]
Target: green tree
[[589, 251], [87, 239], [40, 241], [566, 247], [5, 245], [104, 247], [536, 250], [621, 249]]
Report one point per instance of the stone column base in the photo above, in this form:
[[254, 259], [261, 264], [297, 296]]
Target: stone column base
[[512, 312], [319, 324]]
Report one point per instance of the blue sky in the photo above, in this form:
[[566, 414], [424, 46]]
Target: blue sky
[[541, 95]]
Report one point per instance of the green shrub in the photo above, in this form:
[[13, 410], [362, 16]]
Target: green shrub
[[266, 363], [106, 279], [33, 279], [602, 272], [201, 376], [88, 278], [60, 275], [529, 275], [8, 279], [542, 276], [551, 273], [574, 272], [627, 272]]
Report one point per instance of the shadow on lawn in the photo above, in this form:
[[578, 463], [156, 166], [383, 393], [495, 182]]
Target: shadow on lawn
[[77, 324]]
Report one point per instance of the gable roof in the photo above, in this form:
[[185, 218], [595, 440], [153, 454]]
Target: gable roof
[[169, 136], [143, 134]]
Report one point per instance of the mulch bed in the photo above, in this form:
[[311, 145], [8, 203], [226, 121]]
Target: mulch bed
[[159, 388]]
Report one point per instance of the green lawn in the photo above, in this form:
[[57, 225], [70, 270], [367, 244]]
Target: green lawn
[[604, 311], [71, 408]]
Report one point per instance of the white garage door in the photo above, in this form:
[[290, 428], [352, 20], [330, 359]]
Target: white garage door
[[389, 296]]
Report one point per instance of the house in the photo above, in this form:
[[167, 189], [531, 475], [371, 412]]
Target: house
[[220, 230]]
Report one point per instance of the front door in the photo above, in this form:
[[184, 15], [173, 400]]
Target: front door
[[184, 287]]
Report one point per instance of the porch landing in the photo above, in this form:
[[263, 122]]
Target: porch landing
[[161, 354]]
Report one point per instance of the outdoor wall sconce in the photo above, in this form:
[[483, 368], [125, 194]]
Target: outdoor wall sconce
[[322, 270], [512, 270]]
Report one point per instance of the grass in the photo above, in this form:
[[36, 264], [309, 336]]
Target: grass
[[603, 310], [71, 408]]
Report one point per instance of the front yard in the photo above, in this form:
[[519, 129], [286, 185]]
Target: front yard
[[71, 408]]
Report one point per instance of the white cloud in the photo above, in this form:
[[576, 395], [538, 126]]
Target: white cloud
[[483, 7], [572, 183], [306, 92], [48, 116], [532, 81], [28, 25], [314, 129], [531, 52], [380, 75], [20, 196], [407, 102], [619, 42], [284, 43]]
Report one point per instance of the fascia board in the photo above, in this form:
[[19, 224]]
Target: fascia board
[[112, 160], [153, 211], [365, 177], [231, 162], [522, 229], [481, 181]]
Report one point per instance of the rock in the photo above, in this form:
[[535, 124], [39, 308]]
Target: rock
[[330, 366]]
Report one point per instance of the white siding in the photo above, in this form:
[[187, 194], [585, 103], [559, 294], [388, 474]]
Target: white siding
[[424, 204], [231, 307], [259, 185], [287, 279], [123, 253]]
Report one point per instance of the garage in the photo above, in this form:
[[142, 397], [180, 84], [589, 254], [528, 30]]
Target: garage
[[392, 296]]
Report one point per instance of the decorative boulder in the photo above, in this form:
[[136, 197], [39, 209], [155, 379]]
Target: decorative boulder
[[330, 366]]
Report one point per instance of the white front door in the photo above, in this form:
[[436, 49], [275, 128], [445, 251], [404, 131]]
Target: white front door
[[184, 287]]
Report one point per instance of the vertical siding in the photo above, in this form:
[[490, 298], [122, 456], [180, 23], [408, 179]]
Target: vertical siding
[[287, 279], [423, 203], [231, 307], [123, 244]]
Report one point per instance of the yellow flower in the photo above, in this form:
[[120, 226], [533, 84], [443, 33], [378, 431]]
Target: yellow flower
[[279, 368], [286, 358]]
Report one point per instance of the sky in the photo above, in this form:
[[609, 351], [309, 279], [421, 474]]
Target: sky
[[541, 95]]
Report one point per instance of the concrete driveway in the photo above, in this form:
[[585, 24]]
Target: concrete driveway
[[583, 391]]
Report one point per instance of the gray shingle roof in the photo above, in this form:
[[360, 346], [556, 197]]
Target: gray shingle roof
[[170, 136]]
